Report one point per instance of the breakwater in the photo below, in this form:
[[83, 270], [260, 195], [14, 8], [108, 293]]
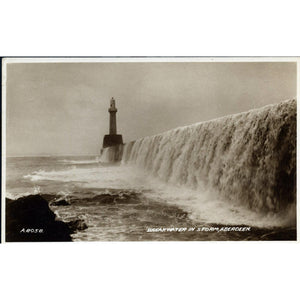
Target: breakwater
[[248, 158]]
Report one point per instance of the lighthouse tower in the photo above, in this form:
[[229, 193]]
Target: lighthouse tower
[[112, 118], [112, 139]]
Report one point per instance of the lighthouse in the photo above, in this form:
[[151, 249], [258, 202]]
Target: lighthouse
[[112, 117], [112, 139]]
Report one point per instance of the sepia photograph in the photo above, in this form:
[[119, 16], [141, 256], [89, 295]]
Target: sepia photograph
[[149, 149]]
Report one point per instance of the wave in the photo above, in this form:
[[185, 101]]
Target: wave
[[248, 158], [112, 154], [126, 188], [36, 190], [98, 177], [202, 206], [80, 162]]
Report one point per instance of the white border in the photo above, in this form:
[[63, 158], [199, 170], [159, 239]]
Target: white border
[[3, 151], [5, 61], [297, 152], [138, 59]]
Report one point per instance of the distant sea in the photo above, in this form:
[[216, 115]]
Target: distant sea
[[119, 202]]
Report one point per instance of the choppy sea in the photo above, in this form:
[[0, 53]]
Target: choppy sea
[[119, 202]]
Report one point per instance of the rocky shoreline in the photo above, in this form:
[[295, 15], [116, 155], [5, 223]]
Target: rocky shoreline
[[30, 219]]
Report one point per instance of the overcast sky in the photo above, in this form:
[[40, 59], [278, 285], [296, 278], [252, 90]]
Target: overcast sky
[[61, 108]]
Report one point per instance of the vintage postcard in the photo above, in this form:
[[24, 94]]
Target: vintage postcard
[[149, 149]]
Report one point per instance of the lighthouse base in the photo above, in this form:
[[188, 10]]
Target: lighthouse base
[[110, 140]]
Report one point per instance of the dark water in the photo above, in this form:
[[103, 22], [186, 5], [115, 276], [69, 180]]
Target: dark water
[[120, 203]]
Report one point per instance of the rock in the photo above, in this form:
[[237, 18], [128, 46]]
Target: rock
[[29, 218], [61, 202], [75, 225]]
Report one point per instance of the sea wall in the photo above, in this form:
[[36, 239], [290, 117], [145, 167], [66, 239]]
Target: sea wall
[[112, 154], [249, 157]]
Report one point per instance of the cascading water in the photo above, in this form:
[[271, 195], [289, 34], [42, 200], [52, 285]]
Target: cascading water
[[111, 154], [248, 158]]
